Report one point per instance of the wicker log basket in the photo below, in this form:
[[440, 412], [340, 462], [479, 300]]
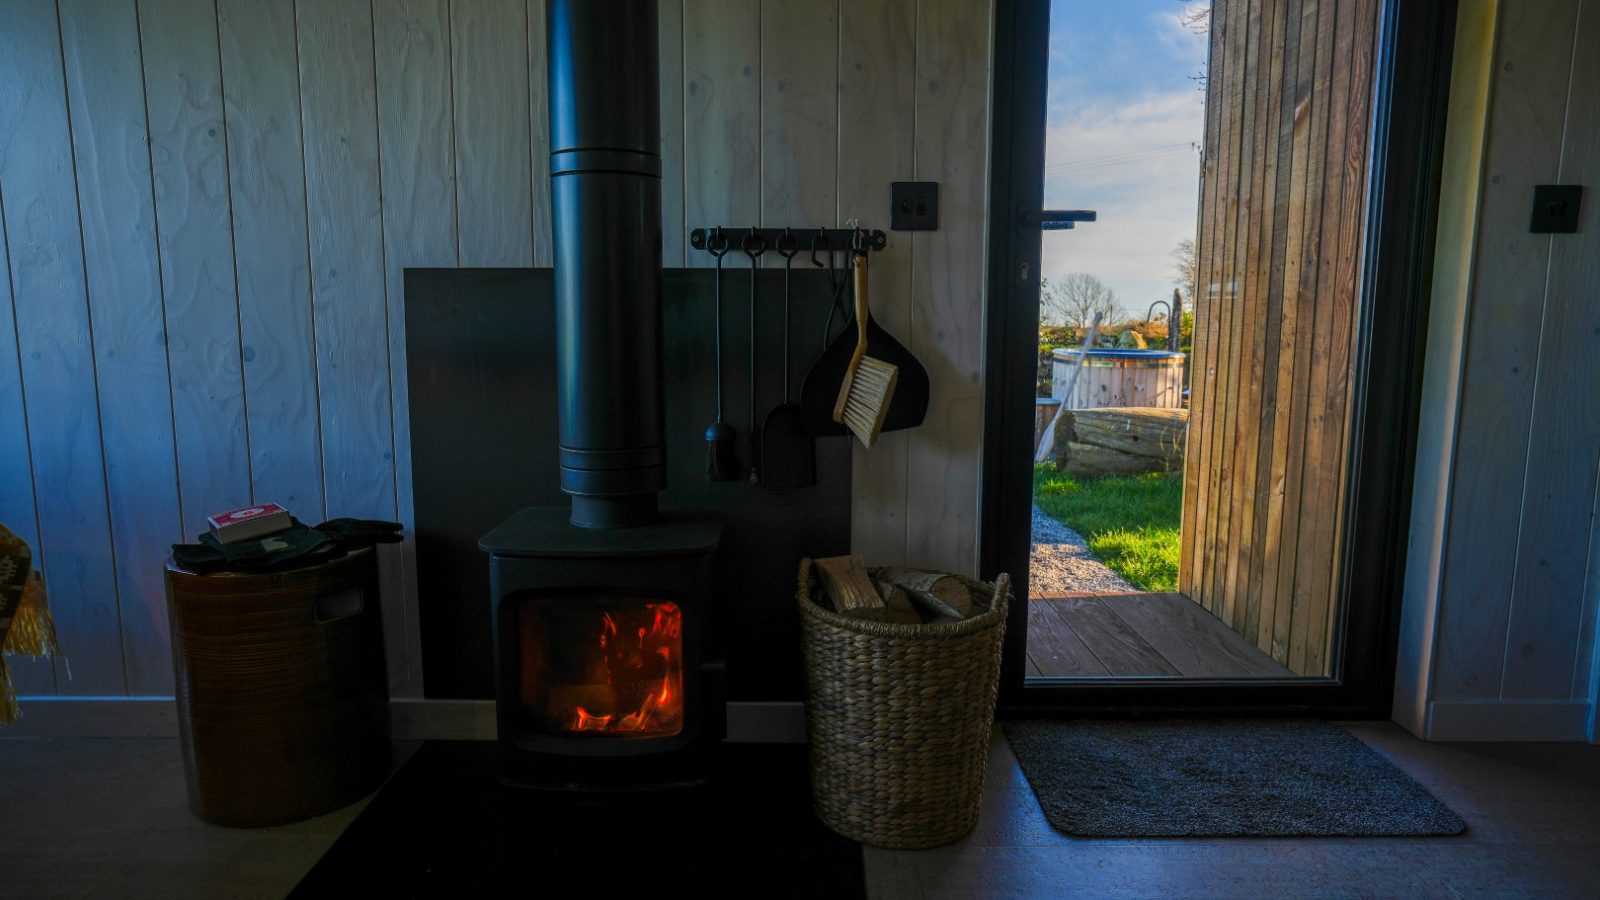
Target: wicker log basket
[[899, 718]]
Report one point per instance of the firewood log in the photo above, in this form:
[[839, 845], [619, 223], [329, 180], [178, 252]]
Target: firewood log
[[941, 595], [845, 580]]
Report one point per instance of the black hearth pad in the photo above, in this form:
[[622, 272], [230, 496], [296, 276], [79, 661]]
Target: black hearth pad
[[445, 826]]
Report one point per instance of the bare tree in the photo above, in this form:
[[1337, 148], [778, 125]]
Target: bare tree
[[1076, 298], [1185, 269]]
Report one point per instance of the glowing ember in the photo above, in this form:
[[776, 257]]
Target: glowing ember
[[615, 667]]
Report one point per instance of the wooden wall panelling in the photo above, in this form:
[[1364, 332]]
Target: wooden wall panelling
[[417, 152], [1252, 354], [1208, 426], [539, 134], [1311, 584], [100, 48], [1344, 304], [1585, 674], [1244, 46], [188, 150], [1202, 379], [268, 197], [674, 230], [343, 197], [1272, 635], [50, 306], [493, 132], [721, 116], [1502, 346], [1546, 622], [1321, 110], [952, 56], [1259, 601], [877, 120], [799, 114], [31, 677]]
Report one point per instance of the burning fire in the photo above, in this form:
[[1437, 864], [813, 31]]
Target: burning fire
[[643, 673]]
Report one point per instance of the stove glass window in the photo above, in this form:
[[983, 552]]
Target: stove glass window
[[602, 666]]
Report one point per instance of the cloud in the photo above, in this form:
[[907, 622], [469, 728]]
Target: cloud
[[1133, 160]]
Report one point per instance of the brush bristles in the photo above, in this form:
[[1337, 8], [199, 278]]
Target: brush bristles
[[871, 390]]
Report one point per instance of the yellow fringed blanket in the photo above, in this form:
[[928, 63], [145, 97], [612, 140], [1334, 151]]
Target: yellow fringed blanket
[[25, 624]]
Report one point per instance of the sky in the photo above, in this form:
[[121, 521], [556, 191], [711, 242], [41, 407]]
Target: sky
[[1126, 115]]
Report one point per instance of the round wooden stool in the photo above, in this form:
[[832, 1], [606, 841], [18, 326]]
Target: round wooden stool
[[281, 689]]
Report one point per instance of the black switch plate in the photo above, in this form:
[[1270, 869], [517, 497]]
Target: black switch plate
[[914, 206], [1555, 208]]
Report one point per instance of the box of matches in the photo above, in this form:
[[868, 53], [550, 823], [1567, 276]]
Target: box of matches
[[249, 522]]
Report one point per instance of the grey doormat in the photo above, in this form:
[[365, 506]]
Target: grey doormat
[[1219, 778]]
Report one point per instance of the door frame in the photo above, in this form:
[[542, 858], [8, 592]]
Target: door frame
[[1415, 45]]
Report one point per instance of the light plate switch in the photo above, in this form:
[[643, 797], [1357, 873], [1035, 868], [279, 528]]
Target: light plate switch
[[1555, 208], [914, 205]]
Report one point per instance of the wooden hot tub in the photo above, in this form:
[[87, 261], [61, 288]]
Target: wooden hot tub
[[1113, 377]]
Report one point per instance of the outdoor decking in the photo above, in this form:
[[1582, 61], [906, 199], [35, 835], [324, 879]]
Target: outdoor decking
[[1121, 635]]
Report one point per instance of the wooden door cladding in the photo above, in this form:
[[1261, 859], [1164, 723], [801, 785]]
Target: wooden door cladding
[[1282, 209], [207, 207]]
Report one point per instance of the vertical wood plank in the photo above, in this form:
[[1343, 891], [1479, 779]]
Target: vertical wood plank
[[50, 305], [1246, 44], [947, 270], [343, 191], [1272, 634], [1310, 600], [1502, 345], [674, 230], [799, 112], [539, 133], [417, 149], [1256, 240], [188, 151], [30, 677], [1196, 524], [267, 193], [722, 115], [1343, 308], [877, 116], [1547, 609], [1321, 111], [100, 44], [493, 132]]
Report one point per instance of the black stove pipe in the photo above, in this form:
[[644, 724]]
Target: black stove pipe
[[605, 193]]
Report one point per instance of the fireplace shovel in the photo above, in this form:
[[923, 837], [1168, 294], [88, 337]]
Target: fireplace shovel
[[788, 453]]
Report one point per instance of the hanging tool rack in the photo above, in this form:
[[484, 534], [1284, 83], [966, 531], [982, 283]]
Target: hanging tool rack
[[837, 239]]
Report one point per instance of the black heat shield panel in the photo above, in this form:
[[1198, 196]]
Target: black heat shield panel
[[480, 347]]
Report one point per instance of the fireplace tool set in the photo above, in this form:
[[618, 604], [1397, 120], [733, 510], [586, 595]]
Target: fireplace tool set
[[864, 383]]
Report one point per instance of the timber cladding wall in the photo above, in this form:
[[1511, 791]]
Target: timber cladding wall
[[207, 207], [1282, 207]]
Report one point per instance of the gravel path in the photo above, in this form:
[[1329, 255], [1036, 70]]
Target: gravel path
[[1061, 561]]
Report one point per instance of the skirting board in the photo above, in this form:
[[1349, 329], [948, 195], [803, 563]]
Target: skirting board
[[1510, 720], [450, 720], [97, 717]]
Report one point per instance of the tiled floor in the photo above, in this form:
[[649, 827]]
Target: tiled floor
[[108, 818]]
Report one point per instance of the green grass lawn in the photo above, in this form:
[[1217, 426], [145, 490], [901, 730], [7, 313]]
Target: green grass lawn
[[1130, 521]]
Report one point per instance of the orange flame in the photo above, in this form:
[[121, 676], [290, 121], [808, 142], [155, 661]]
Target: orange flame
[[654, 666]]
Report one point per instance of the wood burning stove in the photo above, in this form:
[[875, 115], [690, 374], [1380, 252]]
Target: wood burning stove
[[602, 611], [607, 675]]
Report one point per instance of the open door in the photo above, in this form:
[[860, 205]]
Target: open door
[[1300, 390]]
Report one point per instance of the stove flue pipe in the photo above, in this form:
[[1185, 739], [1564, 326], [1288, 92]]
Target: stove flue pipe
[[605, 193]]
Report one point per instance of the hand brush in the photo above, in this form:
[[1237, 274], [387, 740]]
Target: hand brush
[[868, 383], [722, 453]]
